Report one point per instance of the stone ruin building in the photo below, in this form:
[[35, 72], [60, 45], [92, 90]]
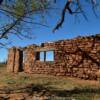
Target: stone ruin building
[[78, 57]]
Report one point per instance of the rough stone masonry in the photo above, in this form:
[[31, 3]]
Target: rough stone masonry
[[78, 57]]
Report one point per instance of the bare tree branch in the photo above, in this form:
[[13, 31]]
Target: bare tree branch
[[66, 7], [7, 30]]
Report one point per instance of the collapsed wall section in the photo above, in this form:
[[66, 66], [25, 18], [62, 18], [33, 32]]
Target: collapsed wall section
[[11, 60], [14, 63]]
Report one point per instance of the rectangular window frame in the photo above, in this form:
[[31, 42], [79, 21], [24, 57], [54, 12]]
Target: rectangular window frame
[[44, 56]]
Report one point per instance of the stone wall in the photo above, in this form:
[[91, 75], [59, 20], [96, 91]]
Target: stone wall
[[15, 57], [78, 57]]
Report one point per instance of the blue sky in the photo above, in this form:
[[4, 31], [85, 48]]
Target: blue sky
[[71, 28]]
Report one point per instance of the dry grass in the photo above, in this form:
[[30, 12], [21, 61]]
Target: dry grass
[[62, 87]]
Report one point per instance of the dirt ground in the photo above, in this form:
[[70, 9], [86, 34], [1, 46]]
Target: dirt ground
[[23, 86]]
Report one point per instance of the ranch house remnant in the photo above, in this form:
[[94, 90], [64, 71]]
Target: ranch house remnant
[[78, 57]]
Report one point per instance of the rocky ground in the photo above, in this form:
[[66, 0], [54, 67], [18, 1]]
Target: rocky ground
[[23, 86], [29, 92]]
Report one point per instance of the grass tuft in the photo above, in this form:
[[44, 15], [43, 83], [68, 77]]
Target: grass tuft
[[63, 88]]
